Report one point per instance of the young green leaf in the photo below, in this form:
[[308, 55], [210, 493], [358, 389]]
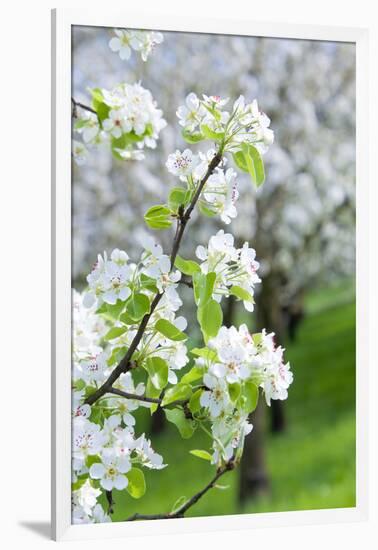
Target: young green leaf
[[137, 484], [137, 306], [211, 134], [126, 319], [148, 283], [180, 392], [115, 332], [241, 293], [192, 138], [203, 286], [251, 394], [206, 210], [210, 318], [111, 311], [257, 338], [234, 391], [201, 454], [179, 502], [206, 353], [240, 161], [116, 355], [194, 374], [254, 163], [185, 426], [169, 330], [157, 369], [187, 267], [157, 217], [194, 401], [178, 196]]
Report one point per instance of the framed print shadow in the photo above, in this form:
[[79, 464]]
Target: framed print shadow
[[209, 212]]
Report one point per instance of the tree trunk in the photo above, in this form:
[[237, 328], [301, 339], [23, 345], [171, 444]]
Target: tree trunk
[[253, 476], [157, 422], [270, 316]]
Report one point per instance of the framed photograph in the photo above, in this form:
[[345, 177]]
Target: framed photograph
[[209, 329]]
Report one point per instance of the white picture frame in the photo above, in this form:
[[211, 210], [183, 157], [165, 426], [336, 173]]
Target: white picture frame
[[62, 21]]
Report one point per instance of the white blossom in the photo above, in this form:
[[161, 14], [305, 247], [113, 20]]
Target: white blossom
[[141, 41], [111, 470]]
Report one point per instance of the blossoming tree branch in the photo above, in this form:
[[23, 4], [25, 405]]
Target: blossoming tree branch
[[129, 343]]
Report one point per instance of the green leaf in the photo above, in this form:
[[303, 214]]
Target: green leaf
[[192, 137], [194, 401], [206, 353], [221, 487], [116, 355], [201, 454], [92, 459], [169, 330], [251, 394], [137, 484], [203, 286], [78, 483], [195, 373], [177, 197], [79, 385], [206, 211], [157, 369], [240, 161], [257, 338], [111, 311], [180, 392], [234, 390], [137, 306], [187, 267], [211, 134], [98, 104], [241, 293], [115, 332], [179, 502], [97, 94], [210, 318], [126, 319], [81, 123], [254, 163], [185, 426], [148, 283], [157, 217]]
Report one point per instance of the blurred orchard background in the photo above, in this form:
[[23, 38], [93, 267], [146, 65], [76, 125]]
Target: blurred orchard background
[[301, 453]]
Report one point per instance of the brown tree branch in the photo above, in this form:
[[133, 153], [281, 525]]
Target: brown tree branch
[[125, 364], [143, 398], [76, 104], [180, 512]]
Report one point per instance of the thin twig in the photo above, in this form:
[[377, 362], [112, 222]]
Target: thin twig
[[77, 104], [186, 281], [180, 512], [156, 400], [143, 398]]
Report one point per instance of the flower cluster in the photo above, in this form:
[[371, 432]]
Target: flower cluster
[[102, 458], [235, 269], [236, 364], [126, 117], [126, 40], [244, 123], [220, 193], [115, 280]]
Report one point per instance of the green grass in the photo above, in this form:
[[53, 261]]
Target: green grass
[[312, 464]]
